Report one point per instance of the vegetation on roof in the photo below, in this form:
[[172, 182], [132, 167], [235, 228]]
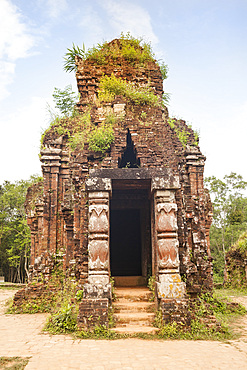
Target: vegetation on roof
[[134, 50]]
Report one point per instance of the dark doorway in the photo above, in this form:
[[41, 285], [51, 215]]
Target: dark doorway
[[130, 229], [126, 244]]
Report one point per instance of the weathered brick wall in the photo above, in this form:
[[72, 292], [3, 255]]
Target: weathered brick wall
[[174, 310], [93, 312]]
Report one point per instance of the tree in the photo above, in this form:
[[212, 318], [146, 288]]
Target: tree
[[230, 216], [65, 100], [14, 232]]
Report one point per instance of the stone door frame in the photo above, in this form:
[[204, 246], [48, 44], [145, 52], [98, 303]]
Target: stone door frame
[[164, 236]]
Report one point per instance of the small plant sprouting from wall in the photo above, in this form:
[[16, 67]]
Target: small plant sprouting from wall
[[182, 134]]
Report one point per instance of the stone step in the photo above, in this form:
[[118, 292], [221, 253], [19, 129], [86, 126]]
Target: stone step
[[131, 329], [124, 305], [133, 294], [141, 318], [130, 281], [133, 311]]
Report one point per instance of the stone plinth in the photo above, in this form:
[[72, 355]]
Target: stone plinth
[[92, 312], [175, 310]]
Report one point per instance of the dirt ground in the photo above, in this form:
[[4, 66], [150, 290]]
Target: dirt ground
[[21, 335]]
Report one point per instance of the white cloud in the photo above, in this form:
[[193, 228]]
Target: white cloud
[[20, 139], [54, 7], [15, 43], [15, 40], [126, 16], [7, 70], [92, 24]]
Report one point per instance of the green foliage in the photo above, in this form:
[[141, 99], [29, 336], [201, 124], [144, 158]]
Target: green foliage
[[163, 70], [183, 137], [229, 218], [236, 258], [79, 295], [182, 134], [80, 130], [65, 100], [69, 58], [112, 282], [99, 332], [101, 138], [77, 140], [151, 286], [132, 49], [197, 136], [143, 115], [172, 123], [64, 321], [111, 86], [207, 305], [14, 232], [198, 331]]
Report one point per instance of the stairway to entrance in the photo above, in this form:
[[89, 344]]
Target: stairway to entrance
[[133, 311]]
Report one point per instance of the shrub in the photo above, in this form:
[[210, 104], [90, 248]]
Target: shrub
[[111, 86], [100, 138], [64, 321]]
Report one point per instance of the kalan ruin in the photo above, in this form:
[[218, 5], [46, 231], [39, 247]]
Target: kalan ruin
[[122, 192]]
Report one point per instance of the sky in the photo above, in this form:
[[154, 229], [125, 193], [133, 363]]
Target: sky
[[203, 42]]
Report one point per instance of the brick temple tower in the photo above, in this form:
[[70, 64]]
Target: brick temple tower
[[132, 208]]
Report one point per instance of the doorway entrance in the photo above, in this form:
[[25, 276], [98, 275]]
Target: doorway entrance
[[126, 243], [130, 229]]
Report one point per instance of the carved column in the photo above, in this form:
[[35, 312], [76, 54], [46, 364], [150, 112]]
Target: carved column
[[169, 281], [98, 239]]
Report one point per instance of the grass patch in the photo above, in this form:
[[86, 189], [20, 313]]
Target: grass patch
[[3, 287], [13, 363], [226, 293]]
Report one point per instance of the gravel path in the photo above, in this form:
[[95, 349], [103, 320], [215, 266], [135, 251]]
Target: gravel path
[[20, 335]]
